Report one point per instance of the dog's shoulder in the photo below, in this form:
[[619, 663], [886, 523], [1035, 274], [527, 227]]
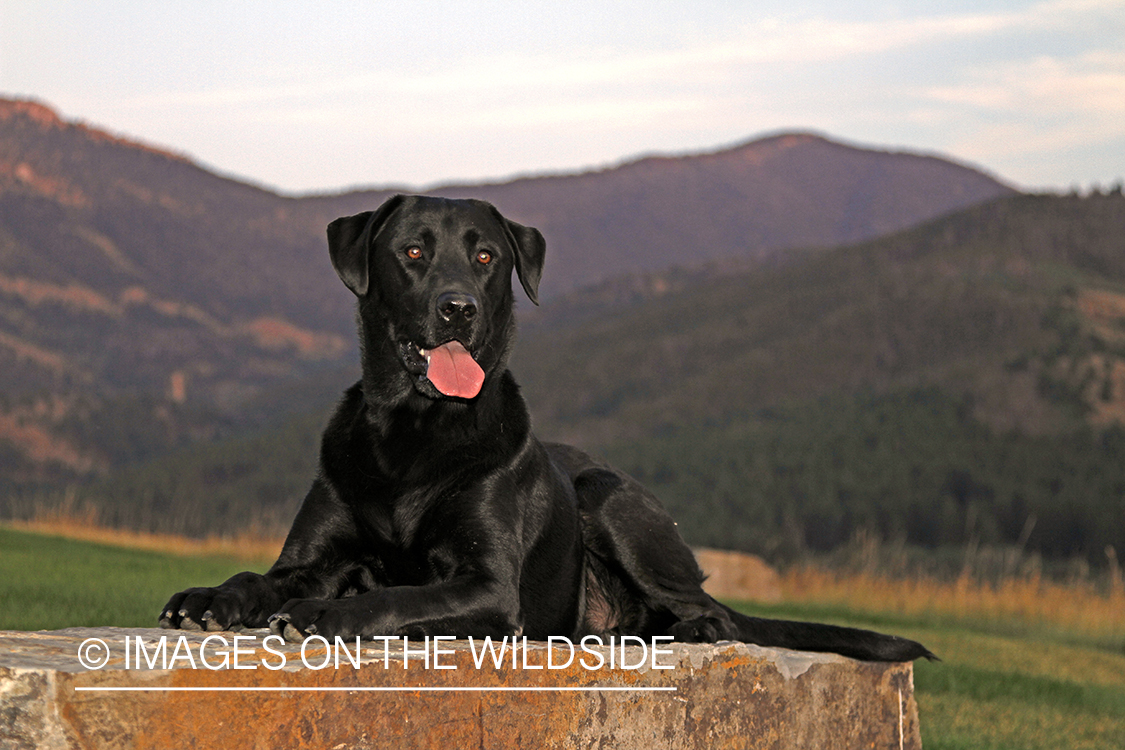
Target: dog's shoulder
[[349, 408], [345, 437]]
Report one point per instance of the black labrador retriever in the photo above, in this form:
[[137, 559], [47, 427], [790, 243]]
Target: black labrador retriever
[[437, 512]]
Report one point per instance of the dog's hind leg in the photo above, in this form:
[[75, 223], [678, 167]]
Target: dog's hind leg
[[650, 575], [643, 579], [641, 576]]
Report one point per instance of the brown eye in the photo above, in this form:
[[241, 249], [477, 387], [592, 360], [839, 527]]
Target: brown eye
[[484, 257], [414, 253]]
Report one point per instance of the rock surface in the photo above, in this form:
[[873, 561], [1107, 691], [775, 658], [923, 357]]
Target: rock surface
[[209, 690]]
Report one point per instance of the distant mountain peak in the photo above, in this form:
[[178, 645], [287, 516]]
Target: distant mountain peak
[[755, 150], [760, 150], [32, 110], [778, 142], [45, 118]]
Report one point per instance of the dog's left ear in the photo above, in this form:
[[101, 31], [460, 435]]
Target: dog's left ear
[[531, 249], [349, 244]]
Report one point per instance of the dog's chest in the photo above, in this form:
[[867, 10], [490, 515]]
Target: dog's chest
[[391, 521], [399, 542]]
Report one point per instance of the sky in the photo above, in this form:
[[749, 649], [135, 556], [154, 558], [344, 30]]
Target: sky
[[323, 96]]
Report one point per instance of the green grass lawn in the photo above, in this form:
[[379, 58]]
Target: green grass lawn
[[998, 691], [991, 691], [49, 582]]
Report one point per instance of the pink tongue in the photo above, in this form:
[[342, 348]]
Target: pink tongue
[[454, 372]]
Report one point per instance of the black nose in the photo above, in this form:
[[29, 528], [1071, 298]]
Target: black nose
[[457, 307]]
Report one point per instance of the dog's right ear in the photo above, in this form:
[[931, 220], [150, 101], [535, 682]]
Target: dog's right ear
[[349, 244]]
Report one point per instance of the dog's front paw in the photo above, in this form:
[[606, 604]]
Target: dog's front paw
[[243, 601], [202, 608], [300, 618]]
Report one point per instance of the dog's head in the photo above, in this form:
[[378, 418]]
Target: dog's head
[[434, 282]]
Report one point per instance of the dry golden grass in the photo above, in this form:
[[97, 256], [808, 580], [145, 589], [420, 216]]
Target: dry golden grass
[[243, 546], [1079, 607]]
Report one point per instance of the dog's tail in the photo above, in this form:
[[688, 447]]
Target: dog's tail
[[807, 636]]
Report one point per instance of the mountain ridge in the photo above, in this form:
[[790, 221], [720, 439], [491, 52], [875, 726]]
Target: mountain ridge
[[141, 293]]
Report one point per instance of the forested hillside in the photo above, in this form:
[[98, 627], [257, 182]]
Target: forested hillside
[[960, 383], [1017, 302]]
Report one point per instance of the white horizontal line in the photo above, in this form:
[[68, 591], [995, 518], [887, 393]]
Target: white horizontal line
[[396, 689]]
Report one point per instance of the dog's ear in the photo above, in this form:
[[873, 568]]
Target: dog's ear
[[349, 244], [531, 249]]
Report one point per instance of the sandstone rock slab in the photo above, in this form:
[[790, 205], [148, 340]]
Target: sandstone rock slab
[[209, 690]]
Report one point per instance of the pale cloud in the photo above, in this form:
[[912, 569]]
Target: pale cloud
[[1045, 75], [801, 41], [1089, 91]]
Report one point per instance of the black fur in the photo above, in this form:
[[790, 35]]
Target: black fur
[[446, 516]]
